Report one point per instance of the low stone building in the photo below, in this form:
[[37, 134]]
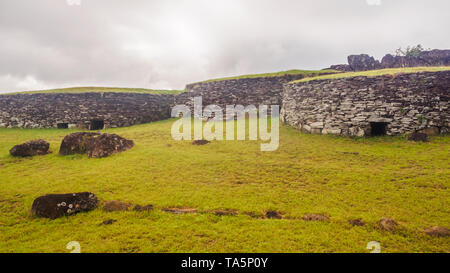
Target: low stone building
[[93, 111], [367, 106]]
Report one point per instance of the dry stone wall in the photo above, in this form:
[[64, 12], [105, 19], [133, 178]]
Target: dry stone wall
[[82, 110], [244, 91], [364, 106]]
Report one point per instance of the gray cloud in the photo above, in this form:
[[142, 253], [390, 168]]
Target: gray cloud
[[166, 44]]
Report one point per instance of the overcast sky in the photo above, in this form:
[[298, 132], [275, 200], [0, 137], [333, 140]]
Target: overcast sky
[[166, 44]]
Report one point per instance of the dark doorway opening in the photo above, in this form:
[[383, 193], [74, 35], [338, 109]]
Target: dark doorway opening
[[96, 125], [63, 125], [378, 128]]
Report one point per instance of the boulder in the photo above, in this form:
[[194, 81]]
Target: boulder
[[58, 205], [431, 131], [76, 143], [363, 62], [108, 144], [30, 148], [416, 136], [94, 144]]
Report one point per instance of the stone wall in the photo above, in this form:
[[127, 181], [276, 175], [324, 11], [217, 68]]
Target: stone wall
[[359, 106], [114, 109], [244, 91]]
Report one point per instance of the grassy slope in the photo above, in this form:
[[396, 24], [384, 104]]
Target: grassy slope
[[374, 73], [99, 90], [390, 177], [309, 73]]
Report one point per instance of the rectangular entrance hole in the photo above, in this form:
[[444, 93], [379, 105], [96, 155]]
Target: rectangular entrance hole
[[378, 128], [63, 125], [96, 125]]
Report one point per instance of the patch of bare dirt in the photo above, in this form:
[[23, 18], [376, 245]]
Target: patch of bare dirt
[[107, 222], [180, 210], [388, 224], [143, 208], [271, 214], [115, 205], [356, 222], [253, 214], [200, 142], [438, 231], [224, 212], [316, 217]]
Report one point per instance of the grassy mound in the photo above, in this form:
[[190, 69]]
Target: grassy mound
[[308, 73], [342, 178], [374, 73], [75, 90]]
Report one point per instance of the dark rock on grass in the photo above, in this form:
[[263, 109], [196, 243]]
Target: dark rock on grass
[[108, 144], [200, 142], [143, 208], [438, 231], [57, 205], [416, 136], [76, 143], [388, 224], [271, 214], [180, 210], [115, 205], [30, 148], [94, 144], [356, 222], [108, 222], [316, 217]]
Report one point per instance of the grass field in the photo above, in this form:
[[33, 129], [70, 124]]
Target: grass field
[[76, 90], [374, 73], [343, 178], [308, 73]]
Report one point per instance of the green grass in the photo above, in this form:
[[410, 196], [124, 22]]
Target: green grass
[[308, 73], [76, 90], [374, 73], [389, 177]]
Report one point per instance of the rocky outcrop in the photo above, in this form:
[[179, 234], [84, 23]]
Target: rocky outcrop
[[64, 110], [365, 62], [341, 67], [425, 58], [366, 106], [58, 205], [30, 148]]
